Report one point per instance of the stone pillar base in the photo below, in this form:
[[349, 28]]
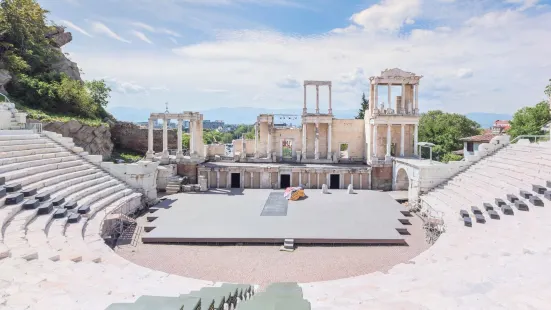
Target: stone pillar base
[[317, 156], [149, 155]]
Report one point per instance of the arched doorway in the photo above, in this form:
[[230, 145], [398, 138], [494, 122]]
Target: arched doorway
[[402, 180]]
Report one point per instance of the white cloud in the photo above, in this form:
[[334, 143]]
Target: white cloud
[[141, 36], [173, 40], [250, 64], [103, 29], [524, 4], [143, 26], [155, 29], [74, 27], [389, 15], [288, 82]]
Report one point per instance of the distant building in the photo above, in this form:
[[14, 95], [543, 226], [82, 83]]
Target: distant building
[[500, 126], [207, 124], [471, 144]]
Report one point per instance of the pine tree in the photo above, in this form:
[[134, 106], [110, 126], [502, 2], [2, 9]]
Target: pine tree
[[365, 106]]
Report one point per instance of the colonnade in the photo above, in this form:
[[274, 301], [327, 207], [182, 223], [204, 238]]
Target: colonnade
[[317, 84], [316, 141], [389, 139], [195, 120], [407, 110]]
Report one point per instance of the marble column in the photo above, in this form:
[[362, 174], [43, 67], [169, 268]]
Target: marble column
[[179, 153], [376, 96], [309, 180], [416, 97], [256, 140], [329, 134], [371, 97], [318, 179], [415, 139], [317, 99], [304, 110], [228, 179], [278, 179], [252, 180], [208, 179], [388, 139], [304, 141], [291, 178], [341, 180], [217, 179], [402, 140], [300, 178], [165, 138], [191, 137], [242, 179], [404, 98], [316, 143], [375, 141], [330, 109], [352, 179], [390, 96], [150, 151], [361, 181], [269, 146]]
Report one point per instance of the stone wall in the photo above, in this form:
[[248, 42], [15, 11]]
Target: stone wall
[[132, 137], [381, 178], [94, 140]]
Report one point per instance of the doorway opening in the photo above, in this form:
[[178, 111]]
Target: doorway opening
[[236, 180], [287, 149], [334, 181], [344, 150], [285, 181]]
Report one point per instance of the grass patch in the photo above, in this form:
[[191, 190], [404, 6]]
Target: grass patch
[[126, 155], [53, 117]]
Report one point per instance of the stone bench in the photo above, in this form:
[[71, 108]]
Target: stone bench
[[12, 188], [536, 201], [488, 206], [480, 218], [507, 210], [500, 202], [512, 198], [13, 199], [467, 221], [73, 218], [539, 189], [45, 208], [83, 209], [42, 197], [29, 192], [2, 180], [521, 205], [493, 214], [31, 204], [58, 201], [464, 213], [525, 194], [475, 210], [59, 213], [2, 191], [70, 205]]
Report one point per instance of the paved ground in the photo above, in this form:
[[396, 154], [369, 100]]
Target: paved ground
[[266, 264]]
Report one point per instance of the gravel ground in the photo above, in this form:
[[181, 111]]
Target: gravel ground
[[266, 264]]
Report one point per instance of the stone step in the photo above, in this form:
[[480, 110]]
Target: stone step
[[26, 147], [7, 167], [21, 173], [22, 153], [6, 137], [10, 142]]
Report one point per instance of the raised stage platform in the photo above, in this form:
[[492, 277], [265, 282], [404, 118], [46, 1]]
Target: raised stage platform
[[264, 216]]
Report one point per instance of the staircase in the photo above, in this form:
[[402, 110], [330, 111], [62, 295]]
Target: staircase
[[174, 185], [515, 179]]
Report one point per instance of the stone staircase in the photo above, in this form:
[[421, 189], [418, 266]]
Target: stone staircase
[[174, 185], [515, 179]]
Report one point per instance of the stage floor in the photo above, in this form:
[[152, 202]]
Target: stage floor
[[236, 216]]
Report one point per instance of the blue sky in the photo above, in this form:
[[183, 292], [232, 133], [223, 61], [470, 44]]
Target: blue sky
[[475, 55]]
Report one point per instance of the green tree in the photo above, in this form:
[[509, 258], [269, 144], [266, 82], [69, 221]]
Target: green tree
[[99, 92], [364, 106], [185, 141], [530, 120], [445, 130], [451, 157], [547, 90]]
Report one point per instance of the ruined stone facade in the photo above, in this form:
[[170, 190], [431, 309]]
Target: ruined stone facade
[[129, 136]]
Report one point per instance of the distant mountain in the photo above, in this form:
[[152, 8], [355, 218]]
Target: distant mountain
[[228, 115], [486, 120]]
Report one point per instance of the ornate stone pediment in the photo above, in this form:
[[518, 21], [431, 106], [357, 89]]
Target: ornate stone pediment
[[396, 73]]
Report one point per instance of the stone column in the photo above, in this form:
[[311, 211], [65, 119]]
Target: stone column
[[278, 179], [218, 179], [415, 141], [317, 99], [269, 146], [417, 97], [341, 180], [300, 178], [390, 96], [228, 179], [309, 179], [191, 137], [404, 98], [304, 141], [316, 143], [208, 179], [304, 110], [330, 109], [318, 180], [291, 178], [360, 181], [402, 140], [256, 140], [375, 140], [165, 138], [376, 102], [388, 139], [242, 179], [179, 153], [252, 179], [329, 134], [352, 179], [150, 151], [371, 97]]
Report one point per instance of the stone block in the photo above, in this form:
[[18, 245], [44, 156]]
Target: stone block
[[521, 206], [507, 210], [493, 214], [350, 189], [13, 199], [58, 201], [31, 204], [538, 189], [536, 201], [547, 195], [42, 197], [2, 191], [70, 205], [2, 180], [45, 208], [12, 188], [467, 221], [60, 213], [512, 198], [73, 218], [480, 218], [83, 209], [525, 194], [500, 203], [548, 184], [324, 189], [475, 210], [29, 192], [488, 206], [464, 213]]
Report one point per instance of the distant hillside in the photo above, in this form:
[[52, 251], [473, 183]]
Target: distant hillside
[[486, 120]]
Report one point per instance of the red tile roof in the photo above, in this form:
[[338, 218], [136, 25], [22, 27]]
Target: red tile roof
[[484, 138]]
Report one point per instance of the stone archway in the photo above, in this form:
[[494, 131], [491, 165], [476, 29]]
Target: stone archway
[[402, 180]]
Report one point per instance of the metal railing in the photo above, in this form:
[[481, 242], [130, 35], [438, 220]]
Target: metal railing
[[35, 127], [535, 137], [6, 98]]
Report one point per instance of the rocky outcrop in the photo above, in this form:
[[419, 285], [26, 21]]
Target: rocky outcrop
[[94, 140], [64, 65], [131, 137], [5, 78], [59, 36]]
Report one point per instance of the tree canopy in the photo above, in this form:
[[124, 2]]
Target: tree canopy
[[28, 52], [530, 120], [364, 106], [445, 130]]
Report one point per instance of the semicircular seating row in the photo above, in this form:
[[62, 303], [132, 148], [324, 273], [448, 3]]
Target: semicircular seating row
[[52, 204]]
